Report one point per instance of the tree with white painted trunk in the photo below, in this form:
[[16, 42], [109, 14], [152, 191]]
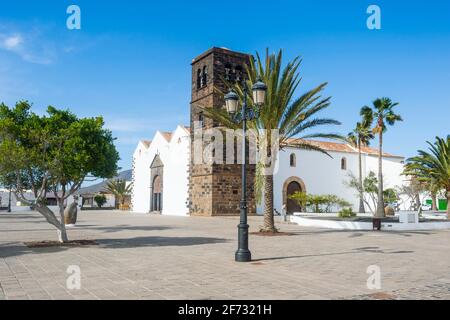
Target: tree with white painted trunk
[[53, 154]]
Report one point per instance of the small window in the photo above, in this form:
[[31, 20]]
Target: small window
[[199, 79], [201, 119], [228, 72], [239, 73], [344, 163], [205, 76], [292, 160]]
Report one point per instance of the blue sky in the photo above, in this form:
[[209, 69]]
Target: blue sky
[[130, 62]]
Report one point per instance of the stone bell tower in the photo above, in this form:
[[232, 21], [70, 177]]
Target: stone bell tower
[[215, 189]]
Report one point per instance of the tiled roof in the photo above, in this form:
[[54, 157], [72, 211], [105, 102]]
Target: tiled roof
[[337, 147], [146, 143], [167, 135], [375, 152]]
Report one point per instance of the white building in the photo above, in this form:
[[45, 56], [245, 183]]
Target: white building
[[164, 181], [163, 164]]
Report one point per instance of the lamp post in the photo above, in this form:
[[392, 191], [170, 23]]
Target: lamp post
[[243, 254], [9, 200]]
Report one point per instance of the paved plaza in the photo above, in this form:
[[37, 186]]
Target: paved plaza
[[161, 257]]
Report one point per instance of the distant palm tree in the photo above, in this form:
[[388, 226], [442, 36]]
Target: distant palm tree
[[383, 114], [433, 166], [291, 116], [359, 137], [119, 189]]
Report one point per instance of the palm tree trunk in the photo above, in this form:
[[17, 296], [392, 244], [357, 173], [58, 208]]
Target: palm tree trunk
[[448, 204], [418, 204], [434, 201], [269, 223], [361, 193], [380, 205]]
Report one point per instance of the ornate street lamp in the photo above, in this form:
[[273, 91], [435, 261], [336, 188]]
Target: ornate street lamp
[[259, 89], [259, 93]]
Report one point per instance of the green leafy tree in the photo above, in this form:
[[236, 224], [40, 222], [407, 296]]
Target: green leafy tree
[[53, 153], [360, 137], [292, 117], [100, 200], [433, 166], [369, 189], [119, 188], [390, 196], [383, 113]]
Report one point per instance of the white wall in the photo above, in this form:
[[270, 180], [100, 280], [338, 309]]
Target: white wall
[[392, 170], [175, 156], [140, 197], [176, 175], [323, 175], [320, 174]]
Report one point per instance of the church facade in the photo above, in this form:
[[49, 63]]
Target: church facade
[[167, 181]]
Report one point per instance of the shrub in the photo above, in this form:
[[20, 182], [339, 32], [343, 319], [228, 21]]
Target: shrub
[[100, 200], [347, 213], [319, 203]]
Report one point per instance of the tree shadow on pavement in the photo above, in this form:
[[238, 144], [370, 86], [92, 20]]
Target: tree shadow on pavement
[[119, 228], [8, 250], [156, 241]]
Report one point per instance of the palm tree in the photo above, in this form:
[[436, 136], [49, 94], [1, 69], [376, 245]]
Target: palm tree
[[433, 166], [292, 117], [359, 137], [119, 188], [383, 114]]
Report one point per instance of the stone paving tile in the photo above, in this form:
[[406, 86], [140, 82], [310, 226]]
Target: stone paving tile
[[438, 291], [159, 257]]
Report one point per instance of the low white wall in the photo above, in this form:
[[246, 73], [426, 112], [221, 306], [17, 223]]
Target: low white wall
[[353, 225]]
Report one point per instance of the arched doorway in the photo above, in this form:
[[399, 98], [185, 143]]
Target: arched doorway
[[157, 194], [157, 185], [291, 186]]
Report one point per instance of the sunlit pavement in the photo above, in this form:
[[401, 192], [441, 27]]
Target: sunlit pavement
[[159, 257]]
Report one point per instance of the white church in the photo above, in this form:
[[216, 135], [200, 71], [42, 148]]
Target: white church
[[163, 178], [308, 171]]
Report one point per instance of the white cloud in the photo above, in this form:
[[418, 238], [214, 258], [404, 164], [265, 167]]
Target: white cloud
[[30, 47], [12, 42]]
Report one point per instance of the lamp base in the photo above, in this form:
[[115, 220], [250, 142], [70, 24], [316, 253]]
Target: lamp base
[[243, 255]]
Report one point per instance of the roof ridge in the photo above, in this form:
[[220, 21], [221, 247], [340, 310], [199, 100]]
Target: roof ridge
[[345, 147]]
